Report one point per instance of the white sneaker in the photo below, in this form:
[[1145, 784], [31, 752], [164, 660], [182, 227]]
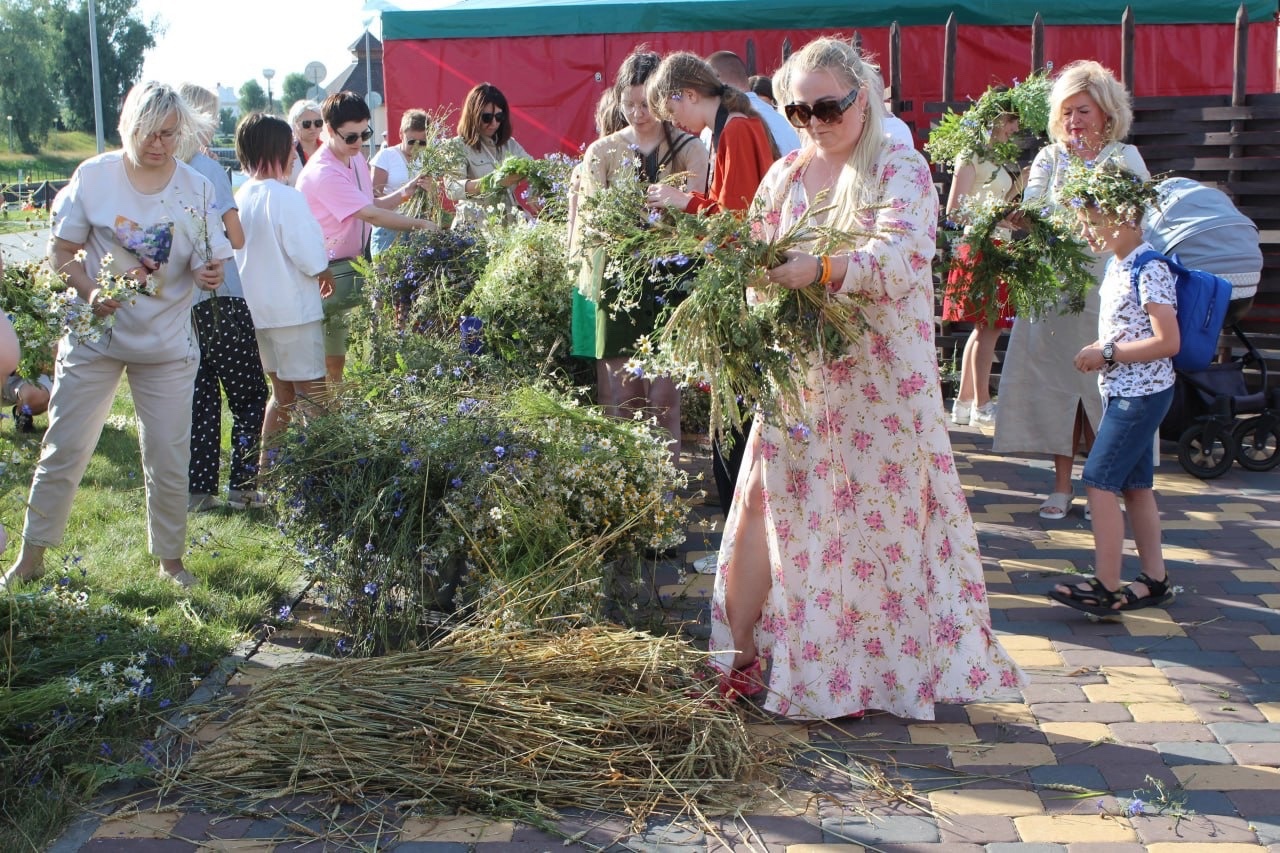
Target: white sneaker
[[960, 413], [984, 416]]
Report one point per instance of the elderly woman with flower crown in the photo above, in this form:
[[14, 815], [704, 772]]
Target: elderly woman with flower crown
[[143, 214], [1046, 405], [849, 561]]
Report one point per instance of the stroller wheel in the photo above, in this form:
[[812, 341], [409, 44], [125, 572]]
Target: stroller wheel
[[1206, 450], [1258, 443]]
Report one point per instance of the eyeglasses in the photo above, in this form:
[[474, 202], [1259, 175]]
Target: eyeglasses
[[162, 135], [351, 138], [491, 117], [413, 142], [827, 110], [308, 123]]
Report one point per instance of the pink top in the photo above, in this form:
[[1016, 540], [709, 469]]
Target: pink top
[[335, 193]]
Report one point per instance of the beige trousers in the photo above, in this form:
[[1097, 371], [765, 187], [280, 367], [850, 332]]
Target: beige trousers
[[84, 386]]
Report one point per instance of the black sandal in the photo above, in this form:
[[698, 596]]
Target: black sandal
[[1097, 599], [1158, 594]]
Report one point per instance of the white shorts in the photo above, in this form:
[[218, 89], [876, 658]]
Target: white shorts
[[293, 353]]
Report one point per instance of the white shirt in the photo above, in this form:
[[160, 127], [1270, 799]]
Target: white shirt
[[99, 206], [282, 255], [784, 135]]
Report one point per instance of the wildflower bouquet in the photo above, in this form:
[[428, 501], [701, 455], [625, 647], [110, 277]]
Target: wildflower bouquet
[[548, 179], [1109, 187], [748, 354], [27, 296], [428, 274], [441, 155], [968, 134], [1046, 269]]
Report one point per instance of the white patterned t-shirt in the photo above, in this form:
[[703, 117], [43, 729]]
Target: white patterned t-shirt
[[1122, 317]]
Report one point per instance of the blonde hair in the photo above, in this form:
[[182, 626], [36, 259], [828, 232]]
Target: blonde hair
[[206, 104], [299, 107], [147, 107], [858, 185], [1099, 83], [414, 120]]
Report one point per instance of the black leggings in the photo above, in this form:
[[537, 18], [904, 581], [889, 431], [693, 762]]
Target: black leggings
[[228, 357]]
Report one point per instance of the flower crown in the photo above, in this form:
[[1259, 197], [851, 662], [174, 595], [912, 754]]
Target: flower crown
[[1109, 187], [969, 133]]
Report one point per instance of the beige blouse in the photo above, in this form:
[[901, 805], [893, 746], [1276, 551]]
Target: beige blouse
[[480, 162]]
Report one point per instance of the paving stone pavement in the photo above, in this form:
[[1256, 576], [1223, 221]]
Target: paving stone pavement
[[1177, 708]]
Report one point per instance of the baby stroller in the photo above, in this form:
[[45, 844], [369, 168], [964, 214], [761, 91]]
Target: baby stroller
[[1217, 416]]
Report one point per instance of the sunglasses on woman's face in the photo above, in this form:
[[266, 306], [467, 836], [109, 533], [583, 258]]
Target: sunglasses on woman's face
[[413, 142], [492, 117], [351, 138], [308, 123], [827, 110]]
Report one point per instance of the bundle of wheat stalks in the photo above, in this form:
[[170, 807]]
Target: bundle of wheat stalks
[[495, 721]]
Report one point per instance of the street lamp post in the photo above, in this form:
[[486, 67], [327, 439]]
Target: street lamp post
[[10, 120], [269, 73]]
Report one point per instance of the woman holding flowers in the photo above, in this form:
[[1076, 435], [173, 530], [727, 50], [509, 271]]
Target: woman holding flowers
[[647, 150], [484, 132], [980, 180], [136, 218], [1046, 405], [391, 169], [849, 562]]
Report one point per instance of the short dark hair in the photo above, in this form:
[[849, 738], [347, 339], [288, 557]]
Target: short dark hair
[[730, 68], [343, 107], [264, 142], [469, 123], [763, 86]]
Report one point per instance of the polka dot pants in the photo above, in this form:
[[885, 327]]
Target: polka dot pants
[[228, 358]]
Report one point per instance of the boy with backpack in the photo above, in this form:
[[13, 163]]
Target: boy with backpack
[[1137, 338]]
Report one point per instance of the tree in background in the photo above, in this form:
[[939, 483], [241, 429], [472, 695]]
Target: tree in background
[[123, 40], [28, 91], [252, 98], [226, 122], [294, 89]]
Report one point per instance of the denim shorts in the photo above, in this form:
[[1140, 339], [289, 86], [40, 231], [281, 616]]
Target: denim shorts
[[1121, 457]]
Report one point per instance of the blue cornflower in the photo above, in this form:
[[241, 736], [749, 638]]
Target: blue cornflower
[[500, 451], [371, 588]]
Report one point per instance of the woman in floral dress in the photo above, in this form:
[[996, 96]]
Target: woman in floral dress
[[849, 561]]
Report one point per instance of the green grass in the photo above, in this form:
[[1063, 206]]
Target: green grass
[[61, 153], [49, 767], [17, 221]]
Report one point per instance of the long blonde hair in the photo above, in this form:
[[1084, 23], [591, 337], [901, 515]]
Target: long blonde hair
[[858, 184]]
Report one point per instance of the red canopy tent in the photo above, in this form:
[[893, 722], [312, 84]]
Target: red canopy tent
[[553, 58]]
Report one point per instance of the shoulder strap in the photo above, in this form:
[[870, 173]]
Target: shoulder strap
[[1152, 255]]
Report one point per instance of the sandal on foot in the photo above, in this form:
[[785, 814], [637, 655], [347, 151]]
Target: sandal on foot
[[1055, 506], [1097, 599], [742, 682], [184, 578], [1158, 594]]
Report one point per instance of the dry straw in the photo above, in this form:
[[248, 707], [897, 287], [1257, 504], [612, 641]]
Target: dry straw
[[515, 723]]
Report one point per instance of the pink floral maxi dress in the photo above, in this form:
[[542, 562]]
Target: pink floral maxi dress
[[877, 598]]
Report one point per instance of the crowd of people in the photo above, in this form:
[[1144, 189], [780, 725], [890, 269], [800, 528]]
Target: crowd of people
[[849, 577]]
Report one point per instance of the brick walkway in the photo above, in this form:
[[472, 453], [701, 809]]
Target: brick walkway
[[1178, 707]]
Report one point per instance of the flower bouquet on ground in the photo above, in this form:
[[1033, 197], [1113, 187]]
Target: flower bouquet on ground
[[442, 155], [1045, 269], [749, 354]]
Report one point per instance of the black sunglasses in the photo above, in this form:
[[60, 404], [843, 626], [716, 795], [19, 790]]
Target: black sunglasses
[[413, 142], [308, 123], [488, 117], [351, 138], [827, 110]]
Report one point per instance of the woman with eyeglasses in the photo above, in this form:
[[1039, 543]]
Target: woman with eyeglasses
[[391, 169], [338, 187], [142, 214], [849, 563], [304, 118], [646, 150], [484, 131]]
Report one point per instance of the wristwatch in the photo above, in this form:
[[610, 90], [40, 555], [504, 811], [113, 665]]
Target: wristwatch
[[1109, 352]]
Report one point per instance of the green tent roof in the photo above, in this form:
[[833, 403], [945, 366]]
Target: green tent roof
[[480, 18]]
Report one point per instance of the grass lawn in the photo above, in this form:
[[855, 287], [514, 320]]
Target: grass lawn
[[17, 221], [95, 658], [61, 153]]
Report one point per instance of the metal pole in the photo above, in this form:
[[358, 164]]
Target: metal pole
[[368, 79], [98, 132]]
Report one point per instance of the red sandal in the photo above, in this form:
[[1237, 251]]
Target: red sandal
[[742, 682]]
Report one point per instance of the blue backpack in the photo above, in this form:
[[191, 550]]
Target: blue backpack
[[1202, 307]]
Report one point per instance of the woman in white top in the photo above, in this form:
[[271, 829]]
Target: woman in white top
[[391, 169], [1046, 405], [147, 211], [484, 131]]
